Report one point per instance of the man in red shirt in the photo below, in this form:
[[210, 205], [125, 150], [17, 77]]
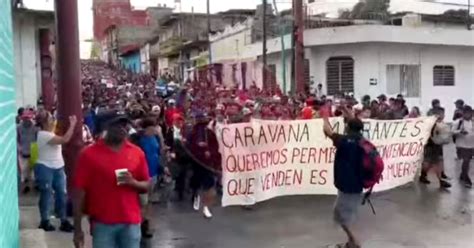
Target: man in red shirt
[[109, 176]]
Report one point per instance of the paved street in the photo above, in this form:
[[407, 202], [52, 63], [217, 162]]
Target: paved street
[[413, 216]]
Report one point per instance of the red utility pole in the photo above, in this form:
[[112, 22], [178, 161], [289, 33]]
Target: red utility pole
[[69, 77], [299, 45], [264, 47]]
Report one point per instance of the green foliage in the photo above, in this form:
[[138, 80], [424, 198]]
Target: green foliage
[[368, 9]]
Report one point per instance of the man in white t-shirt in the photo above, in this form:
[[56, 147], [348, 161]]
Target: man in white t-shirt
[[49, 171]]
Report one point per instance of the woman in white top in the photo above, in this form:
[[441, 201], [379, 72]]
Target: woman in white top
[[49, 171]]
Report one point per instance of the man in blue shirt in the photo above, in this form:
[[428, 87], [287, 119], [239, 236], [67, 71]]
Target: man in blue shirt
[[348, 174]]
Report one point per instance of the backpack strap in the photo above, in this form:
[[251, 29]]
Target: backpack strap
[[460, 124]]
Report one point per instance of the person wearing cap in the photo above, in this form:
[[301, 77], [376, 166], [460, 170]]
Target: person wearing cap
[[203, 181], [109, 177], [49, 171], [458, 113], [433, 156], [150, 139], [178, 156], [347, 173], [383, 106], [435, 104], [27, 132], [463, 130], [170, 112]]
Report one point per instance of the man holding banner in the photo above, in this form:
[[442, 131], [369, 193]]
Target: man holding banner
[[348, 175]]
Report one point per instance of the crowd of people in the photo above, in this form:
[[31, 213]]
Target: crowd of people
[[152, 135]]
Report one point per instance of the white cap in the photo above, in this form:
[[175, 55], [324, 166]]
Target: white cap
[[171, 101], [246, 111], [156, 109], [220, 106]]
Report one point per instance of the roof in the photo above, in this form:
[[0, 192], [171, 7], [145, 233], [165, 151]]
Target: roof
[[238, 12]]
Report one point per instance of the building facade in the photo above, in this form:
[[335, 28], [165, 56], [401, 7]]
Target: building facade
[[9, 215], [107, 13], [131, 60], [28, 27], [417, 58], [184, 38]]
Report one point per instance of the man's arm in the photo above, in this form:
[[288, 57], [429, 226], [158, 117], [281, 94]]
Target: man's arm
[[455, 129], [327, 127]]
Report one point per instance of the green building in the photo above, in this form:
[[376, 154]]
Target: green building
[[9, 232]]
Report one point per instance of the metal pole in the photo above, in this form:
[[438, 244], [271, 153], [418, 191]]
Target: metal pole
[[299, 47], [283, 51], [209, 40], [264, 45], [69, 82], [469, 15]]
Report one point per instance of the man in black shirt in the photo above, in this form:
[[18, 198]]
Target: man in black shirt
[[348, 174]]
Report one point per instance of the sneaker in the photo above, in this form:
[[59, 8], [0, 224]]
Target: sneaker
[[445, 185], [424, 180], [46, 226], [66, 227], [444, 177], [207, 213], [197, 202], [146, 231], [467, 182]]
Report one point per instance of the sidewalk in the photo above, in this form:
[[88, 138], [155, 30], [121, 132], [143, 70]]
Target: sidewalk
[[31, 236]]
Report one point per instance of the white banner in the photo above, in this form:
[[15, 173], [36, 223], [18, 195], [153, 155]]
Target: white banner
[[266, 159]]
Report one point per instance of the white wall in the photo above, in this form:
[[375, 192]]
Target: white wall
[[26, 26], [27, 64], [371, 59]]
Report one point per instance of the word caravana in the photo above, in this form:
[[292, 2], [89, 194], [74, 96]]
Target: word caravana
[[265, 134]]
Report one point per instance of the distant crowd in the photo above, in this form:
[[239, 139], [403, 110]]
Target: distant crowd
[[174, 126]]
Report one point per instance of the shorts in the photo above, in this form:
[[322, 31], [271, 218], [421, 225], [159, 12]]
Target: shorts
[[145, 198], [465, 153], [433, 154], [346, 208], [202, 179]]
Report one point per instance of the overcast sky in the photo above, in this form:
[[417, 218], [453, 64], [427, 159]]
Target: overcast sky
[[85, 9]]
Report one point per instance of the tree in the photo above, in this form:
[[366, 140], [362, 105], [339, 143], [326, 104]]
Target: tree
[[368, 9]]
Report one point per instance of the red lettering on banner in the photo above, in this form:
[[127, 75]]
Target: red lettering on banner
[[241, 187], [312, 155], [296, 153], [303, 155], [400, 170], [318, 177], [281, 178]]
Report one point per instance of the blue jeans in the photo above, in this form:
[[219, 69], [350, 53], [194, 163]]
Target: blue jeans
[[115, 236], [48, 180]]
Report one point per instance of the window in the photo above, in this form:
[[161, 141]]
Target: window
[[340, 75], [443, 75], [404, 79]]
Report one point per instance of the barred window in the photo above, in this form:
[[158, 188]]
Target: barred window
[[443, 75], [340, 75]]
